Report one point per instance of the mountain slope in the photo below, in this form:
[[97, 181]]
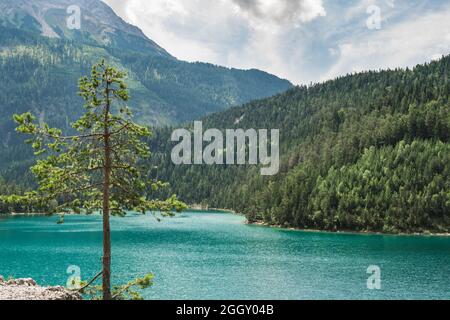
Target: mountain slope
[[99, 25], [365, 152], [41, 58]]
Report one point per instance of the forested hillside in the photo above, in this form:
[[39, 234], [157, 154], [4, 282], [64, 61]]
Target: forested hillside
[[41, 61], [364, 152], [368, 152]]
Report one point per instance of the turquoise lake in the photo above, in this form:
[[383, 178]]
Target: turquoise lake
[[211, 255]]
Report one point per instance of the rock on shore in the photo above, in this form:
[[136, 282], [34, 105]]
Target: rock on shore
[[27, 289]]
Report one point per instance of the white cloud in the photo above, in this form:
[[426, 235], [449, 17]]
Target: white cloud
[[281, 12], [301, 40], [235, 33], [417, 40]]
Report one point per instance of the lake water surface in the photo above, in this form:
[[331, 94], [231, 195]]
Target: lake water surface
[[211, 255]]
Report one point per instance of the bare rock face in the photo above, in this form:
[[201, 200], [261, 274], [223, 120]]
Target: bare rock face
[[27, 289]]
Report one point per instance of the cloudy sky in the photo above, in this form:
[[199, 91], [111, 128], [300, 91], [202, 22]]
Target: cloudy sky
[[300, 40]]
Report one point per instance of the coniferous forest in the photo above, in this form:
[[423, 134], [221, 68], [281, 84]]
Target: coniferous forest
[[364, 152]]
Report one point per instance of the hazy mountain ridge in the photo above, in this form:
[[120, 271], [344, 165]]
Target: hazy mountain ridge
[[164, 90]]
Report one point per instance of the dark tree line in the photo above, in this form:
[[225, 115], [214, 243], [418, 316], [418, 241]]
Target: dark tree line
[[39, 75], [367, 151], [363, 152]]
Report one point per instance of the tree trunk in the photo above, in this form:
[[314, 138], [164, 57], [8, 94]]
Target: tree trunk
[[106, 243], [106, 209]]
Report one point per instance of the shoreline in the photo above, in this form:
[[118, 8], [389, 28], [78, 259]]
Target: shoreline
[[198, 207], [14, 214], [267, 225], [349, 232], [28, 289]]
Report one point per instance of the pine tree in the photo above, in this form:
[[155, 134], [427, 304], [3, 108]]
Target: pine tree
[[99, 168]]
